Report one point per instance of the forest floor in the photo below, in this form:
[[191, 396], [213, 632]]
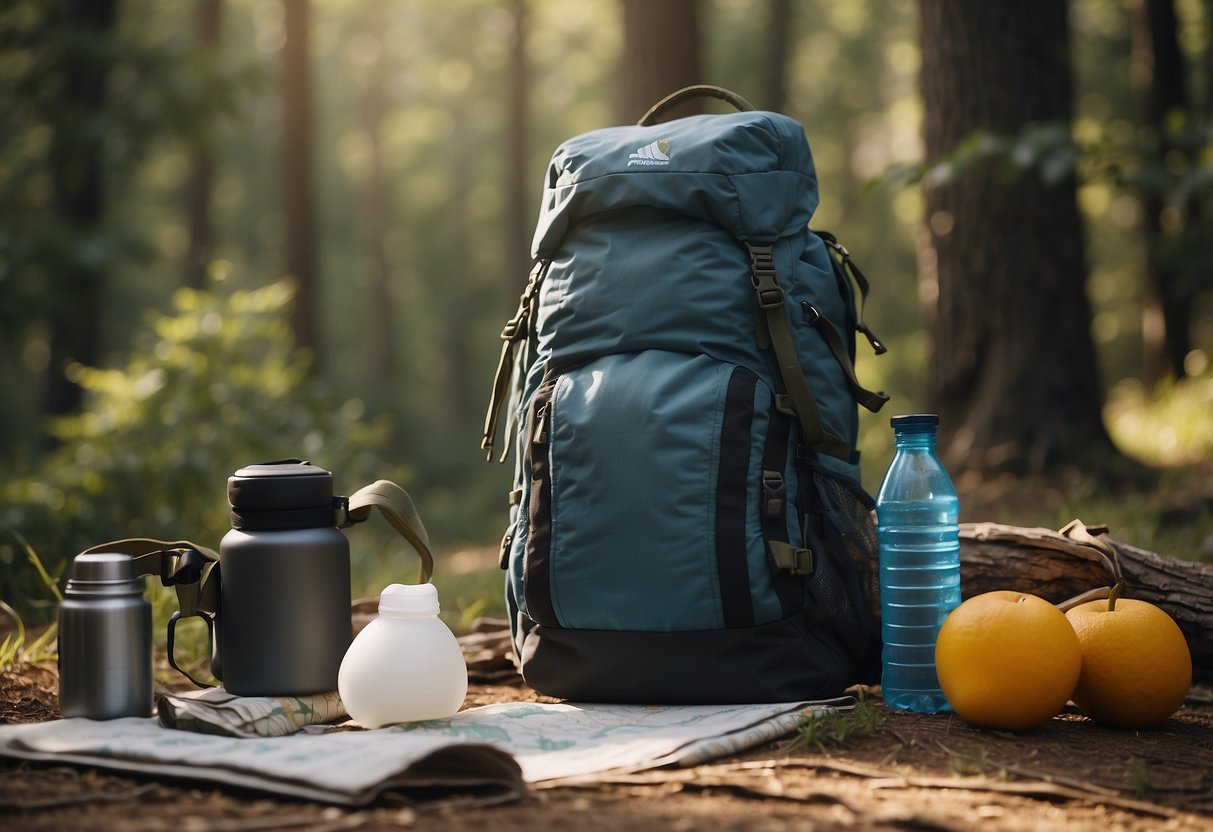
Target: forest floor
[[909, 772]]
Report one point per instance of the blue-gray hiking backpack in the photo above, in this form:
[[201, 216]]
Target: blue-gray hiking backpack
[[687, 523]]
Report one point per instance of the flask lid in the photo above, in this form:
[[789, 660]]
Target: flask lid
[[103, 573], [409, 599], [275, 486]]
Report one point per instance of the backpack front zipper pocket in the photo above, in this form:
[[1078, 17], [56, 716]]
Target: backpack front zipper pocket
[[648, 452]]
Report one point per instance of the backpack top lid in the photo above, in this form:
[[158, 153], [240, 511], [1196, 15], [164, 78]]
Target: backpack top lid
[[751, 173]]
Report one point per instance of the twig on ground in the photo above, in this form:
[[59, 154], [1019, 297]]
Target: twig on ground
[[75, 799]]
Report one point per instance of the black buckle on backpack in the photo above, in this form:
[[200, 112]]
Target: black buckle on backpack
[[773, 493], [790, 559], [762, 274]]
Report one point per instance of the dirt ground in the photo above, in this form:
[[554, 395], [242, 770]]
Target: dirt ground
[[914, 772]]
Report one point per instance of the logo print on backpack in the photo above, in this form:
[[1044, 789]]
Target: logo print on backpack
[[655, 153]]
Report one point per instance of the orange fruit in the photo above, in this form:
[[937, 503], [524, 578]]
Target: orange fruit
[[1136, 668], [1007, 660]]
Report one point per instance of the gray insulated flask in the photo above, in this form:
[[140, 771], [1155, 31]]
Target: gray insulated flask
[[105, 640], [284, 614]]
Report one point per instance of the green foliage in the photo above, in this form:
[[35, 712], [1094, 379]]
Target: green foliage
[[208, 388], [466, 596], [1168, 425], [14, 649], [1047, 149], [163, 430], [161, 88], [839, 727], [1140, 779], [1176, 168]]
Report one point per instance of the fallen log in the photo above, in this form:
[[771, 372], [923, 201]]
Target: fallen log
[[1046, 563]]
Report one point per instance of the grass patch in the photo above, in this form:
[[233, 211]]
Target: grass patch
[[16, 650], [969, 762], [834, 729], [1140, 782]]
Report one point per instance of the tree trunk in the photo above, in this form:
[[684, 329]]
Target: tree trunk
[[209, 17], [660, 55], [298, 205], [375, 209], [518, 184], [454, 291], [1045, 563], [779, 38], [1207, 108], [1166, 299], [1013, 373], [79, 201]]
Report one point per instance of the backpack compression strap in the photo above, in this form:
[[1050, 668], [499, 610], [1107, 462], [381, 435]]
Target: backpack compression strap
[[510, 366], [842, 258], [873, 400], [773, 313]]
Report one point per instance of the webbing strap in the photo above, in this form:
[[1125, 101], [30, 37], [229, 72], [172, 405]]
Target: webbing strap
[[181, 564], [774, 514], [397, 506], [192, 571], [843, 257], [773, 311], [873, 400], [514, 338]]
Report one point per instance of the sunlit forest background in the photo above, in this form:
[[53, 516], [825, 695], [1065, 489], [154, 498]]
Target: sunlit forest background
[[400, 202]]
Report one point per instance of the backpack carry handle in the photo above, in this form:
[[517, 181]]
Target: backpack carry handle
[[686, 94]]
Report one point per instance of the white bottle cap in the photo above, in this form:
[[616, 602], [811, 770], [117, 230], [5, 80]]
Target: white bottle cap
[[409, 599]]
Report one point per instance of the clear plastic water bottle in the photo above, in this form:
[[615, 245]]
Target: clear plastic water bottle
[[917, 525]]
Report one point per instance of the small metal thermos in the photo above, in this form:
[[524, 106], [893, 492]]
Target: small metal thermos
[[105, 640]]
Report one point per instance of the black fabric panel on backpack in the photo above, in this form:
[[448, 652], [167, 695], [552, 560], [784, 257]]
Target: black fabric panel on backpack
[[789, 588], [838, 524], [781, 661], [537, 567], [732, 484]]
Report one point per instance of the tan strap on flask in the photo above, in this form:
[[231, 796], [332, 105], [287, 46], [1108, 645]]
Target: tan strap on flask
[[193, 570], [397, 506]]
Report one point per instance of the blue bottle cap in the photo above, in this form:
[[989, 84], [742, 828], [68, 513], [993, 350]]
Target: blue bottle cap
[[913, 420]]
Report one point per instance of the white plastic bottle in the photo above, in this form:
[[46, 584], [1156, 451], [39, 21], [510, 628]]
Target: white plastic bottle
[[406, 665]]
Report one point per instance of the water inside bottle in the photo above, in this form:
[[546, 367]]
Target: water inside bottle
[[919, 585]]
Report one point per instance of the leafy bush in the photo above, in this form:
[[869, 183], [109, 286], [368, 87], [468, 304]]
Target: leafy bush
[[1168, 425], [209, 387]]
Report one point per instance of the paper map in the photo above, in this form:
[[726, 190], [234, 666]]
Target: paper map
[[497, 748]]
